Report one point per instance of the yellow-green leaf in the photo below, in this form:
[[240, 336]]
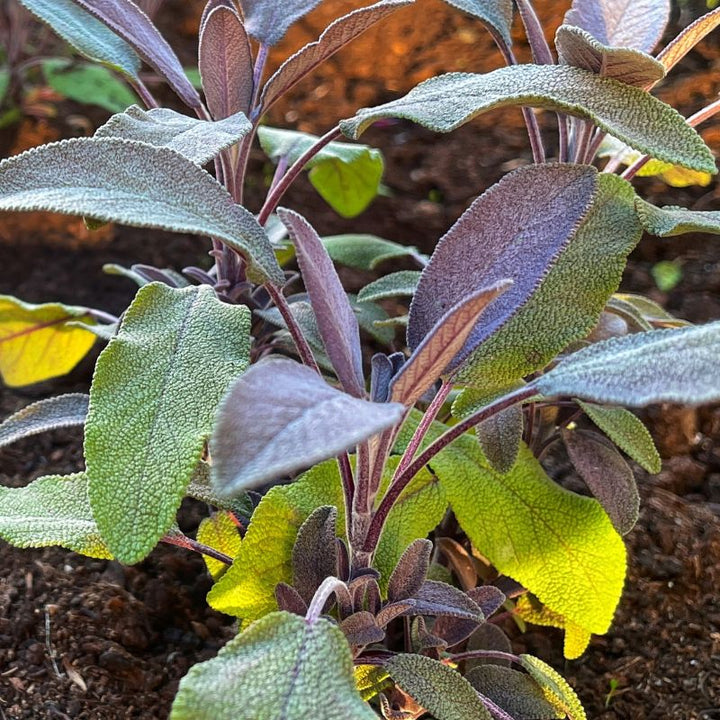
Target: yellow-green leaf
[[220, 533], [247, 589], [555, 687], [37, 342], [371, 680]]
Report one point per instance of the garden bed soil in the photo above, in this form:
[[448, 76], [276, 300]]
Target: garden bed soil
[[89, 639]]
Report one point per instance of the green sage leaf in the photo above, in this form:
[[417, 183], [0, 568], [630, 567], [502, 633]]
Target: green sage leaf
[[52, 510], [152, 402], [397, 284], [124, 181], [556, 689], [280, 668], [670, 221], [445, 102], [495, 13]]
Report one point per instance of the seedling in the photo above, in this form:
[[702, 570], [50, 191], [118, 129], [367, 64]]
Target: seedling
[[515, 329]]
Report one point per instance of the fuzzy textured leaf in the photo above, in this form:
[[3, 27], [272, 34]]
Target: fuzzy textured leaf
[[274, 670], [197, 140], [409, 573], [268, 21], [225, 63], [75, 177], [397, 284], [500, 437], [671, 220], [38, 342], [365, 252], [680, 365], [549, 537], [280, 417], [314, 555], [513, 691], [445, 102], [555, 687], [579, 48], [637, 24], [444, 345], [497, 14], [504, 219], [90, 37], [220, 532], [591, 264], [438, 688], [152, 402], [688, 39], [338, 34], [627, 432], [52, 510], [347, 176], [247, 589], [607, 476], [89, 84], [336, 321], [56, 412], [126, 19]]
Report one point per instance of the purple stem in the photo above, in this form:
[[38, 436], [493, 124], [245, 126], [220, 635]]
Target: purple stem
[[348, 485], [402, 480], [189, 544], [276, 193], [541, 52], [145, 95]]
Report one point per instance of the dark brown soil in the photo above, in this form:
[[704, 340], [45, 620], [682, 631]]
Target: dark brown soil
[[81, 638]]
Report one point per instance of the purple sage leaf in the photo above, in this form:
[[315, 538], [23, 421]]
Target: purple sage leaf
[[135, 27], [288, 599], [336, 35], [508, 232], [608, 476], [313, 556], [335, 318], [361, 629], [225, 63], [444, 346], [409, 574], [437, 599], [280, 417], [637, 24]]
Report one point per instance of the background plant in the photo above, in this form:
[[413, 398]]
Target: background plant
[[506, 327]]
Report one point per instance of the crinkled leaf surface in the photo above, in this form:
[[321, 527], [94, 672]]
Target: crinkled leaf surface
[[567, 303], [225, 63], [371, 680], [688, 38], [397, 284], [86, 34], [280, 668], [418, 511], [38, 342], [89, 84], [445, 102], [607, 475], [268, 20], [409, 573], [314, 555], [670, 221], [635, 24], [495, 13], [555, 687], [280, 417], [247, 589], [500, 437], [52, 510], [365, 252], [220, 532], [126, 19], [126, 181], [347, 176], [56, 412], [197, 140], [513, 691], [442, 691], [338, 34], [335, 318], [679, 365], [152, 402], [576, 638], [508, 232], [579, 48], [627, 432], [548, 538]]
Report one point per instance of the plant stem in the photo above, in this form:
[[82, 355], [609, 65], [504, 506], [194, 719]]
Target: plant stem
[[329, 586], [402, 480], [348, 485], [189, 544], [301, 343], [276, 193], [541, 52], [145, 95], [258, 70]]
